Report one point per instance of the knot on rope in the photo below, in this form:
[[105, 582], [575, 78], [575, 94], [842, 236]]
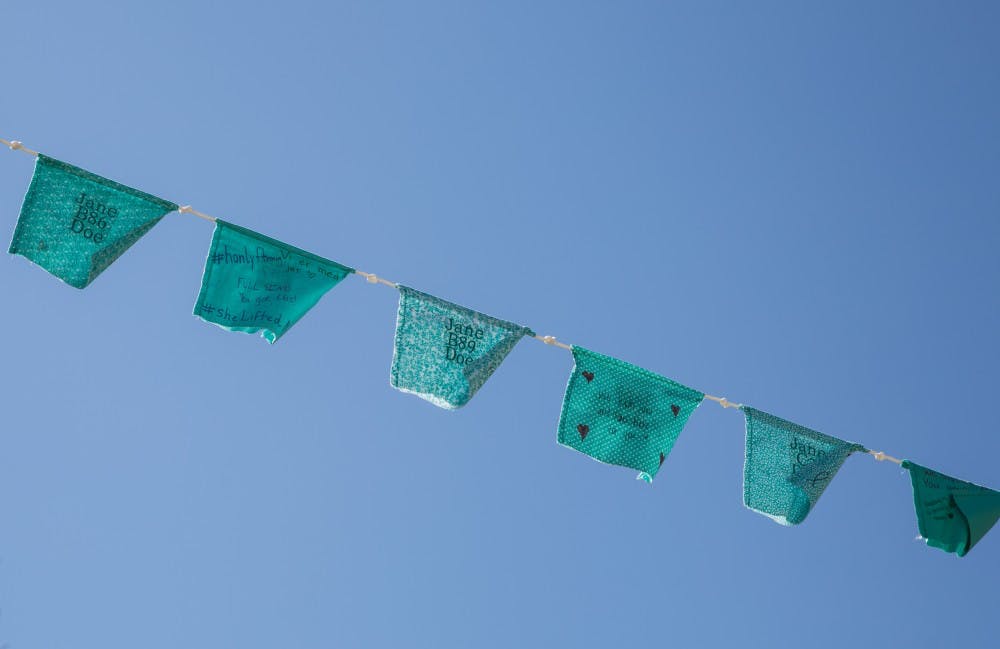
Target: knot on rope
[[725, 403], [878, 455], [15, 145], [371, 277], [184, 209], [549, 340]]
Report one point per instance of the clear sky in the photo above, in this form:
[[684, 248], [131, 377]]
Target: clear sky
[[794, 205]]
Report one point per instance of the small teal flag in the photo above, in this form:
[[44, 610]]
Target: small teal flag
[[75, 224], [952, 515], [621, 414], [788, 466], [444, 352], [254, 283]]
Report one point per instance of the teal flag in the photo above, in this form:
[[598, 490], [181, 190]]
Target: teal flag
[[254, 283], [951, 514], [445, 352], [621, 414], [788, 466], [75, 224]]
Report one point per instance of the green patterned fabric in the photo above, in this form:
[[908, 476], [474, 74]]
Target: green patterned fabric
[[444, 352], [951, 514], [254, 283], [621, 414], [788, 466], [75, 224]]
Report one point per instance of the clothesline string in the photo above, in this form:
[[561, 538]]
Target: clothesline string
[[15, 145], [372, 278], [187, 209]]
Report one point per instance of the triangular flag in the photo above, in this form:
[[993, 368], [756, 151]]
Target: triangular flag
[[74, 223], [254, 283], [788, 466], [444, 352], [952, 515], [621, 414]]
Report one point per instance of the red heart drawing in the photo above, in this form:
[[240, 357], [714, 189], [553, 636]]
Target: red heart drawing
[[676, 409], [584, 429], [588, 375]]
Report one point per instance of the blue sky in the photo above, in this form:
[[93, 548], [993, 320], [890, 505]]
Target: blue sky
[[794, 205]]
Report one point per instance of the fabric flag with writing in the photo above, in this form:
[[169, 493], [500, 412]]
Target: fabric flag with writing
[[951, 514], [253, 283], [444, 352], [74, 223], [621, 414], [788, 466]]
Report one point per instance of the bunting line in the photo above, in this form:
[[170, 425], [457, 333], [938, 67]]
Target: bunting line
[[16, 145], [187, 209], [882, 457], [613, 411], [372, 278]]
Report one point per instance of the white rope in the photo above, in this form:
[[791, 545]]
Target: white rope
[[375, 279], [882, 457], [551, 340], [724, 402], [16, 145], [187, 209]]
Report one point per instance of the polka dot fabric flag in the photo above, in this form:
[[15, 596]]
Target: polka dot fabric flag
[[253, 283], [445, 352], [75, 224], [951, 514], [621, 414], [788, 466]]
